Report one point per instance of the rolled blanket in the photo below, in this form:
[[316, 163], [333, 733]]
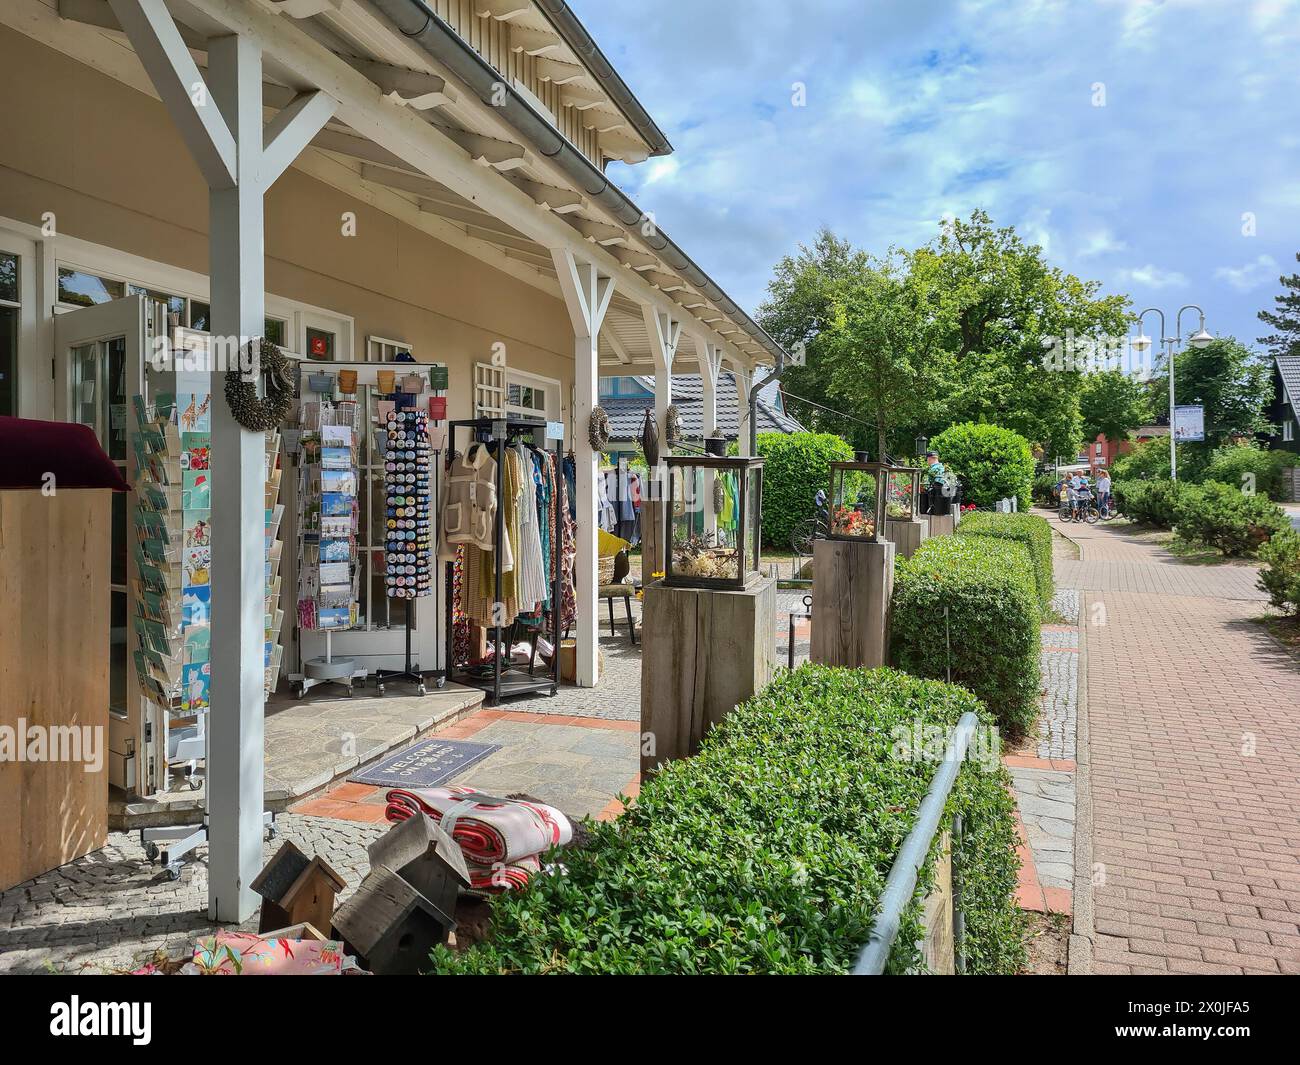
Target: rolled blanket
[[490, 831], [506, 876]]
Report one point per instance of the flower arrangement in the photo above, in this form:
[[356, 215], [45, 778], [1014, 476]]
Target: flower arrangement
[[849, 521]]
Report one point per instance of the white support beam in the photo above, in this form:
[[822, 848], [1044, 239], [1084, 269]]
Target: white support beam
[[236, 718], [587, 293], [288, 134], [304, 8], [98, 13], [744, 378], [665, 333], [561, 73], [618, 347], [413, 88], [598, 232], [534, 42], [708, 358], [561, 201], [222, 123], [502, 10], [167, 60]]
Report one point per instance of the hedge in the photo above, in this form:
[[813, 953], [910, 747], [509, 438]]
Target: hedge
[[1280, 577], [990, 639], [797, 464], [1031, 530], [1149, 502], [767, 852], [1251, 468], [993, 463]]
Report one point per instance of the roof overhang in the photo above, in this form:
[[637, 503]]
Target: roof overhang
[[417, 139]]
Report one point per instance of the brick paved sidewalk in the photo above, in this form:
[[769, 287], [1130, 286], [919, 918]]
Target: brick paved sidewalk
[[1194, 765]]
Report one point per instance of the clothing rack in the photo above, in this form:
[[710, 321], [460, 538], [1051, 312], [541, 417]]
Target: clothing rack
[[510, 681]]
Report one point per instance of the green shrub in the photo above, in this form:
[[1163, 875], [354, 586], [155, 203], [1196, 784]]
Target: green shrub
[[1250, 468], [993, 463], [767, 852], [1152, 502], [1280, 577], [1149, 460], [990, 638], [797, 464], [1029, 529], [1226, 518]]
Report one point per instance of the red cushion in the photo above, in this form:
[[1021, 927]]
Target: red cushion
[[31, 450]]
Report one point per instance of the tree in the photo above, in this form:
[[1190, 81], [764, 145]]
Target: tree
[[1235, 386], [1285, 319], [878, 346], [1004, 305], [986, 305], [796, 314], [1111, 403]]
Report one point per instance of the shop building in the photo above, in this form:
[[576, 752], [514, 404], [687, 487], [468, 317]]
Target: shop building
[[380, 179]]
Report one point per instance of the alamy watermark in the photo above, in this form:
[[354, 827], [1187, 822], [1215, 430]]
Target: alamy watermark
[[190, 353], [53, 743], [1096, 354], [921, 741]]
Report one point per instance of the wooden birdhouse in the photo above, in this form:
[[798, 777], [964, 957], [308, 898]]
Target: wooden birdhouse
[[296, 889], [425, 857], [390, 926]]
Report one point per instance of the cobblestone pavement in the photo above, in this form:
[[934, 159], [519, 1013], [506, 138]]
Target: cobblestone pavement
[[1194, 763], [112, 910]]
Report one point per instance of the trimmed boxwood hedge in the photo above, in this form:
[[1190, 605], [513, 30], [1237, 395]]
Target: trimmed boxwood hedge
[[1031, 530], [767, 852], [990, 638]]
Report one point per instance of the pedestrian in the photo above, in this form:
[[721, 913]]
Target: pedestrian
[[1103, 493]]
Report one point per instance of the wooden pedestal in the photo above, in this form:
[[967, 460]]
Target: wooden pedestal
[[907, 536], [54, 648], [943, 524], [703, 653], [853, 581]]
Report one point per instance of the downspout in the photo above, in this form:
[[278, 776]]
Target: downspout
[[416, 21]]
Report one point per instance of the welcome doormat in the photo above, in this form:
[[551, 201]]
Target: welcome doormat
[[425, 764]]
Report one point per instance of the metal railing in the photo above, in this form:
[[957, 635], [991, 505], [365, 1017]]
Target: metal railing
[[901, 883]]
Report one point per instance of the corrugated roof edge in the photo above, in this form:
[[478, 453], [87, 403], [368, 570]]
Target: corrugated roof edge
[[575, 35]]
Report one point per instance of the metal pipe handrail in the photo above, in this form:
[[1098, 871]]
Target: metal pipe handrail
[[901, 883]]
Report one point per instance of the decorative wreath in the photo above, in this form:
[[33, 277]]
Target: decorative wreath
[[672, 425], [256, 413], [598, 429]]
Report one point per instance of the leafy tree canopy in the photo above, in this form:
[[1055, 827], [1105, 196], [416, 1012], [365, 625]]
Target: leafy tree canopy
[[962, 322]]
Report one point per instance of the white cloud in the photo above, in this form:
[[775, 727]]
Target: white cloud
[[1150, 276], [1250, 275]]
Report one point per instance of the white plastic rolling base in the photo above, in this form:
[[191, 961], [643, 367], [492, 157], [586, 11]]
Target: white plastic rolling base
[[168, 845]]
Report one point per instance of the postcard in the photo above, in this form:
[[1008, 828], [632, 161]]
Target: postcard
[[197, 490], [194, 411], [335, 504]]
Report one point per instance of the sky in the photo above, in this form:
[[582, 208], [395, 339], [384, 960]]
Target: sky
[[1151, 145]]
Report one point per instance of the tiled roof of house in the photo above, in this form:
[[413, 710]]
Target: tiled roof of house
[[627, 413], [1288, 366]]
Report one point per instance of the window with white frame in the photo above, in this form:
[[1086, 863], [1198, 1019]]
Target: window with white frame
[[489, 390], [1288, 430], [380, 349]]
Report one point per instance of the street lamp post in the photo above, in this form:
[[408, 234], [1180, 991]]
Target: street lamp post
[[1199, 339]]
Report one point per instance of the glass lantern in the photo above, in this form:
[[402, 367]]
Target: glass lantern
[[715, 507], [902, 493], [857, 500]]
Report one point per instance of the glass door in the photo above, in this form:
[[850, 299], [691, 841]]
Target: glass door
[[98, 368]]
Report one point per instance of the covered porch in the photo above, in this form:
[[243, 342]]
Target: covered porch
[[310, 123]]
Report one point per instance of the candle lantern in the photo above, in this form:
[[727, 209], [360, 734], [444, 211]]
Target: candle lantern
[[715, 507]]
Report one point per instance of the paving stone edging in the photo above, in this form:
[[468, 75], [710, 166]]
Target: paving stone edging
[[1079, 957]]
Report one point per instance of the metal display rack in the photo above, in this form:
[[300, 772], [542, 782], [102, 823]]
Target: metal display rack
[[510, 681]]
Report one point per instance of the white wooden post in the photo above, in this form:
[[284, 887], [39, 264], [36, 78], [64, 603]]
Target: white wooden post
[[665, 333], [587, 292], [709, 358], [221, 123], [744, 381]]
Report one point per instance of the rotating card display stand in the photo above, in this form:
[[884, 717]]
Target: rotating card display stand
[[408, 555], [172, 586], [327, 533]]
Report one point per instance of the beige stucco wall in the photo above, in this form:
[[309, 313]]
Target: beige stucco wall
[[108, 162]]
